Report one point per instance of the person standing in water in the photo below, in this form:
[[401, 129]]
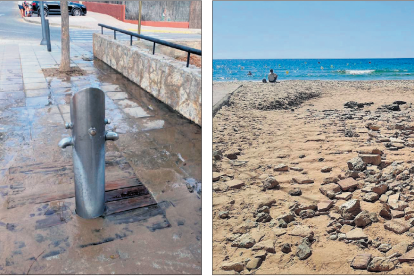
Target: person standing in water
[[272, 77], [249, 74]]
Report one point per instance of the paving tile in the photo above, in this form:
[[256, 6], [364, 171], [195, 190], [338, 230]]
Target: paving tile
[[11, 87], [37, 102], [34, 80], [111, 88], [118, 95], [34, 75], [31, 86], [137, 112], [37, 93], [126, 103], [64, 108], [153, 125]]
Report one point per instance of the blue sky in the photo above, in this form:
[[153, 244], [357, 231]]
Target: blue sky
[[313, 29]]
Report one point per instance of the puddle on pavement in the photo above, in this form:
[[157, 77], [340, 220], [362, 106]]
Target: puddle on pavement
[[164, 151]]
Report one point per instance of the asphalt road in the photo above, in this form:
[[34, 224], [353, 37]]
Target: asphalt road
[[12, 26]]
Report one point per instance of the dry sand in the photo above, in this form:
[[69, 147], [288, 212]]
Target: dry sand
[[304, 125]]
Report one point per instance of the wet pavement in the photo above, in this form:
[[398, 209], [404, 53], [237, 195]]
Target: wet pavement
[[42, 235]]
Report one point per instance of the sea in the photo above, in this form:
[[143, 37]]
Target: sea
[[314, 69]]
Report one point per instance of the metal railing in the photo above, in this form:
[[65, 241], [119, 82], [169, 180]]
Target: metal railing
[[189, 50]]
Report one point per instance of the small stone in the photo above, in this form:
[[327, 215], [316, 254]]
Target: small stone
[[297, 169], [281, 168], [407, 257], [286, 248], [254, 263], [380, 188], [344, 196], [398, 249], [379, 264], [356, 234], [356, 164], [397, 214], [270, 183], [268, 245], [361, 261], [216, 176], [307, 213], [333, 237], [346, 228], [362, 219], [244, 241], [374, 127], [236, 266], [295, 192], [334, 188], [397, 204], [330, 179], [341, 236], [371, 197], [302, 180], [299, 207], [373, 159], [347, 184], [263, 217], [224, 214], [326, 169], [397, 226], [287, 217], [383, 198], [303, 250], [232, 155], [302, 231], [386, 212], [384, 247], [281, 223], [350, 209], [235, 184], [325, 205]]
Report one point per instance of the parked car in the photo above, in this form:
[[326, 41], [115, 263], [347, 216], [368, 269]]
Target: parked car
[[53, 7]]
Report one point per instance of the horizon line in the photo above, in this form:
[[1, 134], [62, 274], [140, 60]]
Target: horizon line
[[302, 58]]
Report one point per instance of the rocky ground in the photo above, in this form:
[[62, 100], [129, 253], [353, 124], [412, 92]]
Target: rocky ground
[[314, 177]]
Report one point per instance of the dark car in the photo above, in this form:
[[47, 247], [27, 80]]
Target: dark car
[[53, 7]]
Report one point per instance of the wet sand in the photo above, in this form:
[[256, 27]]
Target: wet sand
[[305, 126]]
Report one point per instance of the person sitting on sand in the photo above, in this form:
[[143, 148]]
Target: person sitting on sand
[[249, 74], [272, 76]]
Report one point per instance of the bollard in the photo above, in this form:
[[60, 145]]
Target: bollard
[[87, 113], [49, 46]]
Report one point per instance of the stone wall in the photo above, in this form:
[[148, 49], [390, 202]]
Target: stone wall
[[165, 78]]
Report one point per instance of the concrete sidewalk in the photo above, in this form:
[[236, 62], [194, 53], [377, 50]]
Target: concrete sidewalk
[[91, 20], [158, 146]]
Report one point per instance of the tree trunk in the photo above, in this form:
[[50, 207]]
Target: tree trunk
[[65, 47]]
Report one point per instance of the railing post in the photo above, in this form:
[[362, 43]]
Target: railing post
[[188, 59], [114, 34], [153, 49], [101, 30], [131, 40]]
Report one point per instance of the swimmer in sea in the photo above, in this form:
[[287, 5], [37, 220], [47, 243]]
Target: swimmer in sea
[[249, 74]]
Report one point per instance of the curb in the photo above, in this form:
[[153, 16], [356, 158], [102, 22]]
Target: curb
[[224, 101], [168, 31], [57, 25]]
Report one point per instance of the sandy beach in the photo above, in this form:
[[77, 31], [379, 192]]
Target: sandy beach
[[314, 177]]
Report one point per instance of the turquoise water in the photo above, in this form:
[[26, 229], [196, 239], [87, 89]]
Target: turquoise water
[[314, 69]]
